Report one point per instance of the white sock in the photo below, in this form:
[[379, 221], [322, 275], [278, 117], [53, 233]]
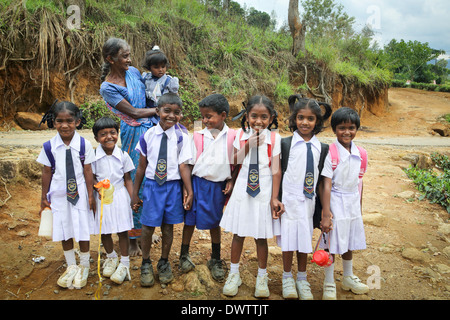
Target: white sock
[[287, 274], [261, 272], [70, 257], [234, 267], [84, 259], [329, 274], [125, 260], [113, 254], [301, 275], [348, 267]]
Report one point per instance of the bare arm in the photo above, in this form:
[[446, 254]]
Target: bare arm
[[89, 178], [185, 172], [46, 178], [276, 204], [325, 195], [125, 107], [140, 172]]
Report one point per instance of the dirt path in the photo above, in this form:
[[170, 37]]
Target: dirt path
[[408, 240]]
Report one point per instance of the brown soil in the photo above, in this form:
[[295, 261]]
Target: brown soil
[[399, 224]]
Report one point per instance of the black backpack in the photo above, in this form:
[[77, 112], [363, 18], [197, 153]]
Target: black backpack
[[285, 149]]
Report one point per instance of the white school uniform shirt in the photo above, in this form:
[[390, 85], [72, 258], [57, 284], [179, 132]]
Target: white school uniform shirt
[[112, 167], [294, 177], [345, 178], [153, 140], [58, 148], [214, 163]]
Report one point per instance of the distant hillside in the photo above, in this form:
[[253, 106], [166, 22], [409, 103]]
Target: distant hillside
[[210, 50]]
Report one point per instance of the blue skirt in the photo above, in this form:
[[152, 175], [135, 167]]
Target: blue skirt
[[208, 203], [162, 204]]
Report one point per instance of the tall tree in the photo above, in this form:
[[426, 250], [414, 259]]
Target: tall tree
[[297, 28]]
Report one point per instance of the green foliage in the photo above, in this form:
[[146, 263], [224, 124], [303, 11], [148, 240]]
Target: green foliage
[[93, 111], [433, 186], [422, 86]]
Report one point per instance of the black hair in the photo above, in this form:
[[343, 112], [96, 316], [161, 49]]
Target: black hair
[[111, 48], [155, 57], [60, 106], [169, 98], [103, 123], [253, 101], [217, 102], [298, 102], [343, 115]]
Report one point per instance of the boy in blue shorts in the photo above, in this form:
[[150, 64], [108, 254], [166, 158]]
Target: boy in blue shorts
[[165, 152], [211, 180]]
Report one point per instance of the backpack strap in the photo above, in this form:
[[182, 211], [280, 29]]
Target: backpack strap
[[82, 150], [334, 153], [285, 150], [198, 142], [48, 152], [143, 144], [363, 169]]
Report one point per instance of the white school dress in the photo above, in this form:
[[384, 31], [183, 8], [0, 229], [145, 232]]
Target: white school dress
[[244, 215], [117, 216], [348, 228], [69, 221], [213, 164], [297, 221]]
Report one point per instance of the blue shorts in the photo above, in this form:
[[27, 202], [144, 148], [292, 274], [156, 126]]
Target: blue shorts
[[162, 204], [208, 203]]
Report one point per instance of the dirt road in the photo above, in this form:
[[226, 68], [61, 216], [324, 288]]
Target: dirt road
[[408, 241]]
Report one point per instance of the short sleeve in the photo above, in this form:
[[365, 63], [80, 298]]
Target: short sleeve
[[327, 170], [141, 145], [89, 153], [186, 150], [127, 163], [113, 94], [277, 148], [173, 85], [43, 159]]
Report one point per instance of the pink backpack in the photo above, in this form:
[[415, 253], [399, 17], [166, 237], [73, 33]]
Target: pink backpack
[[334, 153], [198, 142]]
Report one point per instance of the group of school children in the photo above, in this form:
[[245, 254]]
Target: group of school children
[[249, 182]]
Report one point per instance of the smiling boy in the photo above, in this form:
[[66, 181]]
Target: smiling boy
[[164, 152], [211, 180]]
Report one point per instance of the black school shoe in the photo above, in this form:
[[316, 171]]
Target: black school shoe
[[147, 278], [216, 268], [164, 271]]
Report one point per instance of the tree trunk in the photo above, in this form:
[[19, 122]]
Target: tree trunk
[[297, 28]]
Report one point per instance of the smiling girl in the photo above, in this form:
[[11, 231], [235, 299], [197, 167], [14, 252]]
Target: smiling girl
[[341, 202], [114, 164], [249, 210]]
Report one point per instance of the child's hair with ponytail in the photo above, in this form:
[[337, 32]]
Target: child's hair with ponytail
[[65, 106], [298, 102]]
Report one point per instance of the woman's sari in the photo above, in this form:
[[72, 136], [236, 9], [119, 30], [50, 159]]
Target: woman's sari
[[130, 129]]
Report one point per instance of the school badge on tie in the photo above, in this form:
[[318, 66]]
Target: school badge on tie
[[308, 186], [161, 165], [253, 174]]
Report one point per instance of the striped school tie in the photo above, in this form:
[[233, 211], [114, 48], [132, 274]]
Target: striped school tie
[[308, 187], [161, 165], [71, 181], [253, 187]]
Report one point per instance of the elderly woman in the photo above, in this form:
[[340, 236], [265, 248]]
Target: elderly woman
[[124, 93]]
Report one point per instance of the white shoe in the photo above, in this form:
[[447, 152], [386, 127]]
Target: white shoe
[[81, 277], [329, 291], [304, 290], [66, 279], [261, 288], [232, 284], [289, 291], [122, 272], [109, 266], [354, 284]]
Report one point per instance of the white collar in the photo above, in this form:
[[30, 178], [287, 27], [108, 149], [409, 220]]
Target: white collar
[[74, 143], [314, 141], [354, 151], [100, 153], [207, 133], [169, 132], [266, 132]]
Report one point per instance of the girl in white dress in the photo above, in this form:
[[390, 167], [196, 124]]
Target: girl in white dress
[[250, 215], [296, 231], [115, 165], [69, 192], [341, 203]]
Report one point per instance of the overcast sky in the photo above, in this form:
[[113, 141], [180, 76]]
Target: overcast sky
[[421, 20]]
